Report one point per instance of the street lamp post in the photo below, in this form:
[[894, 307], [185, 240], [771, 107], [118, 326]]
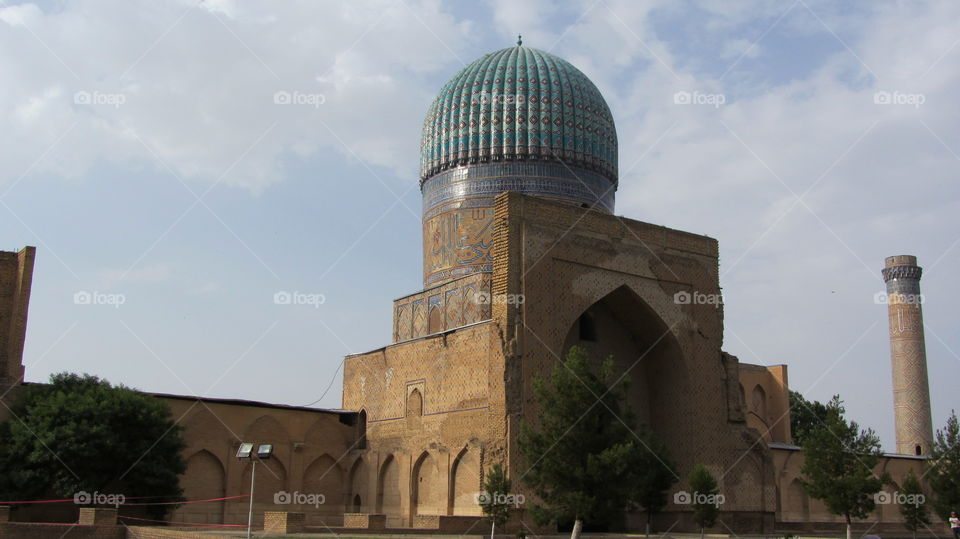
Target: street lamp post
[[264, 451]]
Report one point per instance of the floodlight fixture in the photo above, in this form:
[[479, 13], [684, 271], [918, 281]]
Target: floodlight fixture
[[264, 451], [245, 451]]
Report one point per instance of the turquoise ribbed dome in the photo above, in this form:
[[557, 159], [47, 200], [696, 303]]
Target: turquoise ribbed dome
[[519, 104]]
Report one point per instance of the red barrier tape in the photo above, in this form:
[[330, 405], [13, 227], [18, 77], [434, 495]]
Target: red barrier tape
[[39, 501], [189, 523], [38, 524], [192, 501], [71, 500]]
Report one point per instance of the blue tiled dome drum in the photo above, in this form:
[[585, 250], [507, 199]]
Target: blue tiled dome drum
[[518, 119]]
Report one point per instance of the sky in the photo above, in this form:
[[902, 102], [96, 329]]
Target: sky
[[177, 164]]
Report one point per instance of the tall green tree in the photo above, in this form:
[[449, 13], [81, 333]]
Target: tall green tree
[[913, 504], [651, 476], [805, 416], [944, 468], [583, 450], [705, 497], [497, 500], [79, 434], [839, 459]]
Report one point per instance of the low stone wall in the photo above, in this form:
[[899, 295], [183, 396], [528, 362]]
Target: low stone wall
[[464, 525], [35, 530], [428, 522], [283, 522], [364, 521], [150, 532], [98, 516]]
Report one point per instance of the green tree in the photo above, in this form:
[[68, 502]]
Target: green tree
[[705, 497], [496, 498], [839, 459], [651, 476], [805, 416], [944, 468], [80, 434], [583, 448], [913, 504]]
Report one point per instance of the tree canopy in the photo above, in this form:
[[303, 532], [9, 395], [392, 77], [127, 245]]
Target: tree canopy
[[79, 434], [913, 504], [586, 459], [497, 500], [805, 416], [839, 459], [944, 464], [705, 497]]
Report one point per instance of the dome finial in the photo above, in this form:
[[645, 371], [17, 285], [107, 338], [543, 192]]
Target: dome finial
[[519, 40]]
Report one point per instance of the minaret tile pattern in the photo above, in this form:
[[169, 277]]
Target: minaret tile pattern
[[911, 391]]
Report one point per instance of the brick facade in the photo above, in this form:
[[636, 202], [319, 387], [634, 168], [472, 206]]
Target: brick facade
[[424, 416], [16, 278]]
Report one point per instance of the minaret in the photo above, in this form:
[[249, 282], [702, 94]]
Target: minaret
[[911, 391]]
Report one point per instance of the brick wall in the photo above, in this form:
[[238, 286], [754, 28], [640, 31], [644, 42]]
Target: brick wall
[[283, 522], [30, 530], [16, 277], [364, 521], [145, 532], [308, 450], [766, 400], [458, 375], [567, 263]]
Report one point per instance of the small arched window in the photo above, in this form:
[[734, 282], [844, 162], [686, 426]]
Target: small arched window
[[415, 403], [760, 402]]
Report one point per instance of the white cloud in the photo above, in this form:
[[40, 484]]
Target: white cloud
[[20, 15], [196, 86], [798, 276]]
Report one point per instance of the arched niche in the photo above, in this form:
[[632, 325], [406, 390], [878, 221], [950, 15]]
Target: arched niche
[[359, 491], [204, 479], [465, 483], [426, 487], [324, 476], [623, 326], [388, 490]]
